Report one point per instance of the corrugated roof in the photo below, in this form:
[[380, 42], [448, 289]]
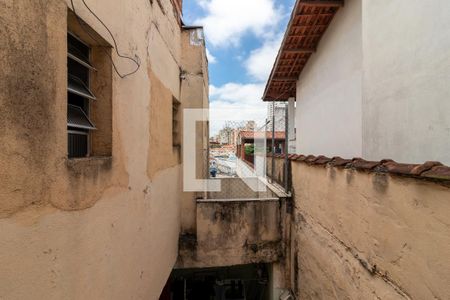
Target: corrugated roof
[[309, 21]]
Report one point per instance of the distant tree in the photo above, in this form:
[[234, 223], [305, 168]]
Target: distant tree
[[249, 149]]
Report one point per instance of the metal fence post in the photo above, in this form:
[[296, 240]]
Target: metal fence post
[[286, 149], [273, 142]]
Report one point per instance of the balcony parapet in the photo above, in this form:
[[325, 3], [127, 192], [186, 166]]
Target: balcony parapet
[[234, 227]]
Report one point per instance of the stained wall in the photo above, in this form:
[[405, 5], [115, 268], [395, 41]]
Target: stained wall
[[363, 235], [102, 227]]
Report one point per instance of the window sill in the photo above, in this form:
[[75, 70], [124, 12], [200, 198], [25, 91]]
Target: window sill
[[91, 161]]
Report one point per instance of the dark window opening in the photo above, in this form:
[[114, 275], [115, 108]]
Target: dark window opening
[[241, 282], [79, 94], [78, 143], [73, 99], [176, 134]]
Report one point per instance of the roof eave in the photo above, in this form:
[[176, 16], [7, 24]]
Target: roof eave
[[312, 3], [286, 33]]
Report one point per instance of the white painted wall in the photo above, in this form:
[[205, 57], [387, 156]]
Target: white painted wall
[[406, 107], [379, 84], [328, 114], [291, 126]]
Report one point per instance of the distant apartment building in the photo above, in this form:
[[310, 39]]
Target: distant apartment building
[[91, 102], [229, 133], [224, 136], [279, 110]]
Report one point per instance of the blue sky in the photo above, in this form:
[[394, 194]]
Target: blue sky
[[242, 38]]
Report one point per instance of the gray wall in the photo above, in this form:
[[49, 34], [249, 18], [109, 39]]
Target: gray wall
[[406, 95]]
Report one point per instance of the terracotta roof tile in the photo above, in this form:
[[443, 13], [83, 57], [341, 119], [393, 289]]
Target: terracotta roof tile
[[430, 169], [301, 158], [249, 134], [309, 21], [294, 157], [419, 169], [361, 164], [322, 160], [340, 162], [438, 172], [310, 159], [394, 167]]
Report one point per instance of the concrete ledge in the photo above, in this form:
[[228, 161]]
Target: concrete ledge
[[236, 200]]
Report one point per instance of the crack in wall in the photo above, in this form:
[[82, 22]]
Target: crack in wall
[[168, 48], [373, 270]]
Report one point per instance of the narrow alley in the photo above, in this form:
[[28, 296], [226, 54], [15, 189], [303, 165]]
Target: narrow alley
[[224, 149]]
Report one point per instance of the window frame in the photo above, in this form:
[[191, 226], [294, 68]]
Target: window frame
[[87, 97]]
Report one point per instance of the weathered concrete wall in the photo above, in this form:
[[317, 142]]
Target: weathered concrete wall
[[97, 228], [277, 174], [233, 233], [360, 235], [328, 113], [406, 71], [233, 227], [122, 247], [194, 94], [241, 188]]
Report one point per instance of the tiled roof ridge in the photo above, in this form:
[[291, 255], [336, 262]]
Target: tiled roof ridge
[[428, 170]]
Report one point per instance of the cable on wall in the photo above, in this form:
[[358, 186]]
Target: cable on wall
[[135, 60]]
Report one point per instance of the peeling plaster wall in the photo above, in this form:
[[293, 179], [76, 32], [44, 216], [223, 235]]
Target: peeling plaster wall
[[369, 236], [233, 233], [194, 94], [124, 247], [97, 228], [235, 226], [160, 129], [277, 174]]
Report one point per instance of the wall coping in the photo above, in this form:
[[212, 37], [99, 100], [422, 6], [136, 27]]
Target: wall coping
[[429, 170], [267, 199]]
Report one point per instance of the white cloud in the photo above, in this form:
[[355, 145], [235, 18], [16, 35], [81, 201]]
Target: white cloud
[[260, 62], [235, 101], [226, 21], [236, 92], [211, 58]]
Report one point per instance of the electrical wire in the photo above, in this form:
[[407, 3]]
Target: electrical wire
[[280, 96], [135, 60]]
